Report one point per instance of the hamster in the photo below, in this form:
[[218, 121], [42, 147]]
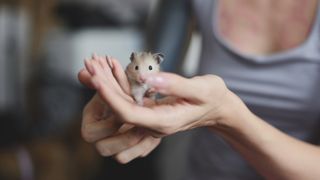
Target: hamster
[[142, 63]]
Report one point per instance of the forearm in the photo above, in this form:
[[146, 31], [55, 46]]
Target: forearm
[[273, 153]]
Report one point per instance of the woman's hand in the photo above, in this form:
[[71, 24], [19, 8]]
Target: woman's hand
[[103, 128], [196, 102], [190, 103]]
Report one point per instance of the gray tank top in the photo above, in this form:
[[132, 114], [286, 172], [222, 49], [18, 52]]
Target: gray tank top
[[282, 88]]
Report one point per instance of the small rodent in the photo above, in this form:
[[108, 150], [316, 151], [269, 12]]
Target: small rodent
[[142, 63]]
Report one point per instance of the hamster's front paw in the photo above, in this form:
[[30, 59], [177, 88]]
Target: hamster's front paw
[[139, 100]]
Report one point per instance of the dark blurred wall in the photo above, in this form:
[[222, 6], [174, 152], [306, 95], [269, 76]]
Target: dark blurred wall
[[40, 107]]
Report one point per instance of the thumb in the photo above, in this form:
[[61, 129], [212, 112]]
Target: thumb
[[174, 85]]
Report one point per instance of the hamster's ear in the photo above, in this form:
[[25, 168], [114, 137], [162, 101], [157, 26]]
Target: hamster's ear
[[159, 57], [132, 56]]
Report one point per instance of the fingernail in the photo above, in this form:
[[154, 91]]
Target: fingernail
[[94, 56], [156, 81], [88, 66]]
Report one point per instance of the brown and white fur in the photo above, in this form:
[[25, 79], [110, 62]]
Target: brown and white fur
[[142, 64]]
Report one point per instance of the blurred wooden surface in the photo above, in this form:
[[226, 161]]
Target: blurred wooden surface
[[42, 19], [53, 159]]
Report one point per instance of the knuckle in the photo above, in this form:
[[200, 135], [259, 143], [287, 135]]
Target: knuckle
[[122, 158], [205, 87], [147, 143], [211, 77], [131, 138], [217, 81], [166, 129], [86, 108], [87, 135], [166, 132], [103, 151], [150, 144], [169, 127]]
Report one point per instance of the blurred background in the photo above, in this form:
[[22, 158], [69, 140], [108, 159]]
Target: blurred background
[[42, 47]]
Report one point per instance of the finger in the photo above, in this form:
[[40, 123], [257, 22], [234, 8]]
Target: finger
[[84, 77], [89, 67], [144, 147], [163, 120], [95, 56], [94, 110], [120, 75], [96, 122], [118, 143], [95, 131], [155, 143], [105, 77], [108, 58], [125, 127], [98, 66], [174, 85], [128, 111], [104, 73], [104, 64]]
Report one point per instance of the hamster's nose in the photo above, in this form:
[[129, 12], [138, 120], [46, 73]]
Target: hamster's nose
[[142, 78]]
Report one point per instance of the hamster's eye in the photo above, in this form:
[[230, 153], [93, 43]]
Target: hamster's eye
[[136, 68], [150, 68]]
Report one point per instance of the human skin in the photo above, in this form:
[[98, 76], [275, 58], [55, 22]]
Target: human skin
[[274, 154], [271, 152], [261, 27], [106, 130]]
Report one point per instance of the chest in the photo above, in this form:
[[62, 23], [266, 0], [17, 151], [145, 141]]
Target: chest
[[283, 88], [261, 27], [285, 94]]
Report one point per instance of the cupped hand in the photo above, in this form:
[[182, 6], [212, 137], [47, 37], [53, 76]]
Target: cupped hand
[[189, 103], [103, 128]]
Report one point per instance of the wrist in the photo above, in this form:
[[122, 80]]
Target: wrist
[[232, 113]]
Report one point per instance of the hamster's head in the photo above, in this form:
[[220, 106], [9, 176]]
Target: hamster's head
[[142, 64]]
